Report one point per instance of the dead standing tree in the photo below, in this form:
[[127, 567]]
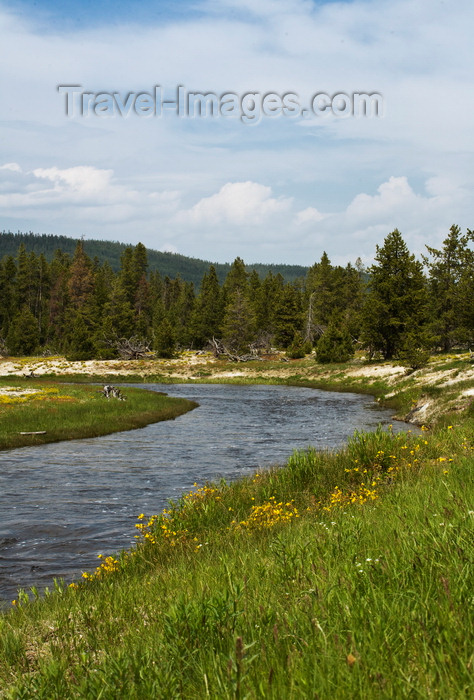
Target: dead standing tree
[[313, 331]]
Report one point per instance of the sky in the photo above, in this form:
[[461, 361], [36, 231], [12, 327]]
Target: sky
[[263, 181]]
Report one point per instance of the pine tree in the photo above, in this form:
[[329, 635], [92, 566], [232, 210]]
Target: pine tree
[[7, 294], [254, 285], [40, 290], [449, 271], [181, 312], [143, 308], [139, 263], [23, 336], [288, 316], [237, 279], [350, 292], [297, 348], [120, 312], [164, 342], [238, 326], [126, 278], [81, 338], [335, 345], [58, 302], [397, 299], [466, 293], [104, 280], [23, 280], [81, 278], [156, 287], [265, 302], [330, 290], [208, 312], [320, 288]]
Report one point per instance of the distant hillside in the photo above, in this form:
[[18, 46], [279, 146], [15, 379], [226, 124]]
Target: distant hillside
[[168, 264]]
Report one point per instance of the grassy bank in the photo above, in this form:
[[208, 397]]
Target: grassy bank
[[67, 411], [341, 575]]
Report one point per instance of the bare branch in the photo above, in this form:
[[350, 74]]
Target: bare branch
[[129, 348]]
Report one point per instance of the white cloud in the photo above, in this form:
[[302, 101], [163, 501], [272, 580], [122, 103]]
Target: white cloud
[[236, 203], [82, 182], [85, 192], [392, 195], [13, 167], [310, 215]]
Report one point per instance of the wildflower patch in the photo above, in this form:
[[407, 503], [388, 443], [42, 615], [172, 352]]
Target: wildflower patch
[[268, 515], [109, 565]]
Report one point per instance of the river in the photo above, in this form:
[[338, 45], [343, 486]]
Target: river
[[64, 503]]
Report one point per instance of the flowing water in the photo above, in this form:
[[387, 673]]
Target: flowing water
[[63, 504]]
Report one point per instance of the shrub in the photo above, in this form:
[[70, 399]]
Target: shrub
[[414, 353], [297, 348]]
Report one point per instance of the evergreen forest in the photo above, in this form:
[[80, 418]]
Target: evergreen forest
[[398, 308], [167, 263]]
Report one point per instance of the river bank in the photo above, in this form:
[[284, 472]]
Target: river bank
[[78, 498], [445, 385], [342, 574], [40, 411]]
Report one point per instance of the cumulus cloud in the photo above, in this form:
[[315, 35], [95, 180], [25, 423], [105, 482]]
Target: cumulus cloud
[[423, 217], [13, 167], [84, 180], [396, 204], [310, 215], [236, 203], [83, 191], [47, 186], [392, 196]]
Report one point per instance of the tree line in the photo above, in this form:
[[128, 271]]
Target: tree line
[[171, 264], [399, 307]]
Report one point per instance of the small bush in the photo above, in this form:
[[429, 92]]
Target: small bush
[[297, 348], [413, 357]]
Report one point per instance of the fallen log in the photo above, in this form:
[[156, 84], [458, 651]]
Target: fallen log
[[113, 391], [34, 432]]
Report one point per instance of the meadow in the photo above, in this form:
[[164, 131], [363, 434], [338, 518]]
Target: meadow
[[342, 574], [58, 411]]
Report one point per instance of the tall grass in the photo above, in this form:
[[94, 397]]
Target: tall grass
[[342, 575]]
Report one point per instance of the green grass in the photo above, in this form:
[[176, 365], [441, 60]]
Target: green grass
[[341, 575], [69, 411]]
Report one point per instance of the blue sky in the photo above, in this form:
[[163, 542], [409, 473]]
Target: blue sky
[[280, 190], [71, 15]]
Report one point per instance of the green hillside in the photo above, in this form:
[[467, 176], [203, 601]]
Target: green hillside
[[167, 264]]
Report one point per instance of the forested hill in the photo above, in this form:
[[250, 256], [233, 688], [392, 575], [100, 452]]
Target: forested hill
[[171, 265]]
